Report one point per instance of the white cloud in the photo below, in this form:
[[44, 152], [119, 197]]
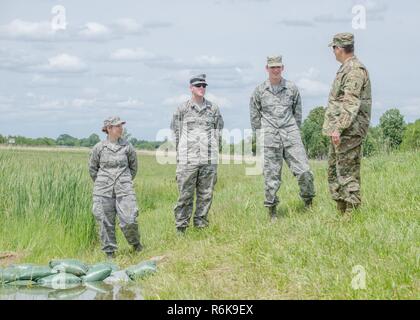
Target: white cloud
[[220, 101], [26, 30], [312, 88], [129, 26], [81, 103], [127, 54], [208, 60], [177, 100], [309, 84], [41, 81], [95, 31], [130, 103], [297, 22], [411, 109], [64, 63], [23, 30]]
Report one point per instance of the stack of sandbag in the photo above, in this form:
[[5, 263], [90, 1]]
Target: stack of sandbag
[[64, 273]]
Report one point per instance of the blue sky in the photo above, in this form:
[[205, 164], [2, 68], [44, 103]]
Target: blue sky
[[134, 59]]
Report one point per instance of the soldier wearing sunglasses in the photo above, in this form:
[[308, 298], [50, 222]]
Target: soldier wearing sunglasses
[[196, 125]]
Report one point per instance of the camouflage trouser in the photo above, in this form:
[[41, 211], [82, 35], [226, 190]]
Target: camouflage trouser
[[105, 210], [200, 179], [344, 170], [297, 161]]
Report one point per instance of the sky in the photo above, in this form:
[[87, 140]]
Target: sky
[[134, 58]]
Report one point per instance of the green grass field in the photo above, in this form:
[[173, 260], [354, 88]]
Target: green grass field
[[45, 213]]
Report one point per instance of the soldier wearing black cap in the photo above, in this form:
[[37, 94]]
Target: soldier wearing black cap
[[196, 125]]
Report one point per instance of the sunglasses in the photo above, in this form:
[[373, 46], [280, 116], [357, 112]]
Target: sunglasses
[[200, 85]]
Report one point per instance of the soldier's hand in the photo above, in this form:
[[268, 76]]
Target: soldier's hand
[[335, 136]]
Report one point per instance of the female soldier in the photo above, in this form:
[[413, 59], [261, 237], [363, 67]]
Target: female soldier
[[113, 166]]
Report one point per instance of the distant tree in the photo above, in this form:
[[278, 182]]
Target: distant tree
[[411, 138], [374, 142], [315, 142], [392, 125], [67, 140], [91, 141], [44, 141], [3, 139]]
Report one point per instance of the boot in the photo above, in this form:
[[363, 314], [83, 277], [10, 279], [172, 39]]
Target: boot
[[308, 204], [272, 211], [138, 247], [181, 230], [110, 255], [341, 206]]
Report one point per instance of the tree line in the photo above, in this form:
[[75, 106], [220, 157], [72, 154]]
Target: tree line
[[69, 141], [392, 133]]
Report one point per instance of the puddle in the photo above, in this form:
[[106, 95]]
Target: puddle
[[85, 291]]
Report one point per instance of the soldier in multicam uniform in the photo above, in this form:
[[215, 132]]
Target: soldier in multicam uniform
[[113, 166], [275, 108], [196, 125], [347, 121]]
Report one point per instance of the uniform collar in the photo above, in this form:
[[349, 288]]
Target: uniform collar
[[206, 104], [117, 145], [268, 86], [348, 60]]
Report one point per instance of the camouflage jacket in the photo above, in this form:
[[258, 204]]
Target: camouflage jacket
[[197, 131], [113, 167], [276, 113], [350, 101]]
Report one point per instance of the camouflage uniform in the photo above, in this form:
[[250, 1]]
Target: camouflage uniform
[[196, 130], [113, 166], [278, 113], [348, 112]]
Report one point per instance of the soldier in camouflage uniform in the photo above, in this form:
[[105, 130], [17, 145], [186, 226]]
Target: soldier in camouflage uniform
[[196, 125], [276, 110], [347, 121], [113, 166]]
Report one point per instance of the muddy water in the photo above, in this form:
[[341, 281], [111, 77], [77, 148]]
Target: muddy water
[[86, 291]]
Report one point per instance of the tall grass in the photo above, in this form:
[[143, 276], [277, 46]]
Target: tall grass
[[45, 212]]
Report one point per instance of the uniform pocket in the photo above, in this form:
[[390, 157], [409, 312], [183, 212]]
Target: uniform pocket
[[97, 208]]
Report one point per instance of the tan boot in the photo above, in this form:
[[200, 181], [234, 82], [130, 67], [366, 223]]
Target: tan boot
[[341, 206]]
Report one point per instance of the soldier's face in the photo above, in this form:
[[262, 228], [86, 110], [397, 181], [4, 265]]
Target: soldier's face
[[274, 73], [338, 52], [198, 90], [115, 131]]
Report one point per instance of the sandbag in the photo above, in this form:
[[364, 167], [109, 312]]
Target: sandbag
[[22, 283], [141, 270], [117, 277], [97, 273], [72, 266], [34, 273], [9, 274], [61, 280], [113, 266]]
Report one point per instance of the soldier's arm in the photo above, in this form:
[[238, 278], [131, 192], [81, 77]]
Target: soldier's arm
[[175, 127], [352, 88], [94, 163], [132, 161], [254, 110], [297, 108]]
